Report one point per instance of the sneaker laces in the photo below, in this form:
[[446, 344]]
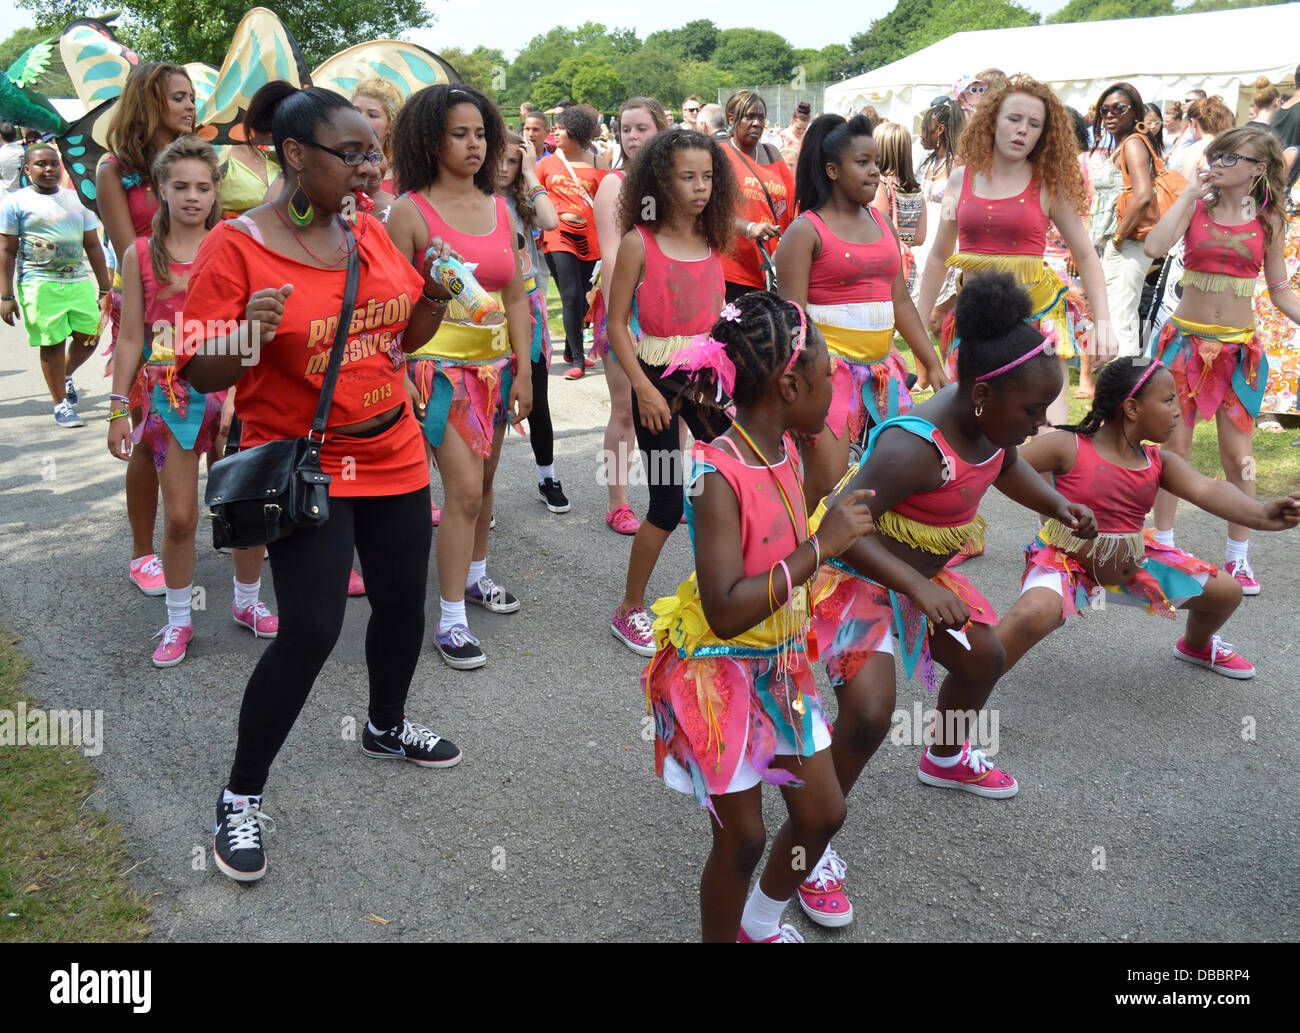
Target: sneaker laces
[[1242, 568], [640, 621], [259, 611], [977, 761], [789, 934], [459, 635], [1220, 650], [830, 869], [170, 633], [490, 590], [152, 567], [246, 825], [418, 735]]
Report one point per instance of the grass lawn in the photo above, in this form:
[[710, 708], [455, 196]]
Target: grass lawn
[[61, 861]]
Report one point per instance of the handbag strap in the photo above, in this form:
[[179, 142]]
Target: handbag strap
[[573, 174], [340, 334]]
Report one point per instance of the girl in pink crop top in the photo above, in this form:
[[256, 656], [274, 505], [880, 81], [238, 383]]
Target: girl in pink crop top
[[678, 297], [1107, 464], [1210, 343], [493, 252], [846, 272], [1002, 226]]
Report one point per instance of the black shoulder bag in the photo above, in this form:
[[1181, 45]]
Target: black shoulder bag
[[260, 495]]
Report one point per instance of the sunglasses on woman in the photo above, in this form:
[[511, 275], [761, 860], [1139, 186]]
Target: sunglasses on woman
[[1116, 109]]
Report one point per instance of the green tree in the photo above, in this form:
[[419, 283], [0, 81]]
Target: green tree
[[173, 30], [652, 72], [483, 68], [706, 80], [1102, 10], [598, 84], [754, 57], [694, 41], [914, 24]]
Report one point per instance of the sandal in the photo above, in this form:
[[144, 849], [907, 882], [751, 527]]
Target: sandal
[[622, 520]]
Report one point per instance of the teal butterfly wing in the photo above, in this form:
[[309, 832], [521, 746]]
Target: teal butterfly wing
[[261, 50], [408, 66], [96, 62]]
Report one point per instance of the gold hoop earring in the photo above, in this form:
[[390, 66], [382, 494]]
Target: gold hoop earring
[[979, 410]]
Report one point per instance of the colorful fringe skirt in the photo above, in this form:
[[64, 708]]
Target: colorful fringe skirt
[[721, 719], [1166, 578], [470, 397], [541, 327], [854, 617], [1215, 368], [195, 430], [600, 346], [866, 391]]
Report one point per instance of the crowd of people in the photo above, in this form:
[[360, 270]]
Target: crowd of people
[[746, 285]]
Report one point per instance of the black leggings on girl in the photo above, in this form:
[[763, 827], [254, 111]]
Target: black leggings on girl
[[392, 535], [541, 433], [661, 453], [572, 278]]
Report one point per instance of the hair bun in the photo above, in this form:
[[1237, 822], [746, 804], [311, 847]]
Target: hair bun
[[1262, 83], [989, 306]]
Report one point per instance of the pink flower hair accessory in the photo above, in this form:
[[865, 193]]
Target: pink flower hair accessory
[[730, 313], [705, 352]]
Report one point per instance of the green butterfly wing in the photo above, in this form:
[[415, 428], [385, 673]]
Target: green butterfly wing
[[26, 107], [31, 64]]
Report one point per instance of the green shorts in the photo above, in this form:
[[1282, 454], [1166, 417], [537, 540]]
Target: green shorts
[[53, 310]]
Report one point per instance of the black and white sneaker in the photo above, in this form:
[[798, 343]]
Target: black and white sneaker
[[69, 391], [488, 594], [237, 837], [412, 742], [553, 495], [459, 649]]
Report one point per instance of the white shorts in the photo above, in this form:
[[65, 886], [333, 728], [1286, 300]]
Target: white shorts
[[747, 776], [1041, 577]]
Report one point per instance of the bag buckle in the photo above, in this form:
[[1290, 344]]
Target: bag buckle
[[315, 441], [271, 511]]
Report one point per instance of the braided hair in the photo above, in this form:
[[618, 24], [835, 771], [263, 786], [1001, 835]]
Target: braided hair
[[1114, 383], [993, 326], [761, 342]]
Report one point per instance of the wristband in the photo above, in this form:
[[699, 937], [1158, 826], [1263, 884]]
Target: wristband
[[7, 297], [433, 302], [539, 189], [789, 585], [117, 415], [749, 229], [118, 398], [817, 551], [1117, 240], [1280, 285], [771, 596]]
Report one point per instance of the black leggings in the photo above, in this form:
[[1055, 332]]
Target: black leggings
[[661, 452], [572, 277], [392, 535], [541, 433]]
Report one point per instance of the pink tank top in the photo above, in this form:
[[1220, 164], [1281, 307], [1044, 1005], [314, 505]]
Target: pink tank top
[[846, 273], [675, 297], [957, 500], [491, 251], [161, 303], [141, 201], [1008, 226], [1211, 247], [766, 533], [1120, 498]]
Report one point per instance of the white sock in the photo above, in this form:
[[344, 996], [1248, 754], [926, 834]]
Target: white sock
[[477, 569], [761, 918], [452, 614], [178, 606], [544, 472], [378, 731], [944, 762], [1165, 538], [1236, 550], [229, 797], [246, 595]]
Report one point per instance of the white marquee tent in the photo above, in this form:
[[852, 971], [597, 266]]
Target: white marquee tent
[[1221, 52]]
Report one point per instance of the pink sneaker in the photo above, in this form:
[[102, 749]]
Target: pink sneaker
[[1218, 657], [635, 629], [355, 585], [786, 934], [1240, 569], [147, 573], [822, 894], [258, 619], [972, 773], [175, 644], [622, 520]]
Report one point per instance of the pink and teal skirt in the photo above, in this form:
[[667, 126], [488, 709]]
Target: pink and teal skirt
[[469, 397]]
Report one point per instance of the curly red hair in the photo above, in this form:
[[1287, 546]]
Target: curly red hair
[[1055, 158]]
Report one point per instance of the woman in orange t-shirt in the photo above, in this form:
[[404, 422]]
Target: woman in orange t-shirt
[[282, 266], [766, 194], [572, 250]]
